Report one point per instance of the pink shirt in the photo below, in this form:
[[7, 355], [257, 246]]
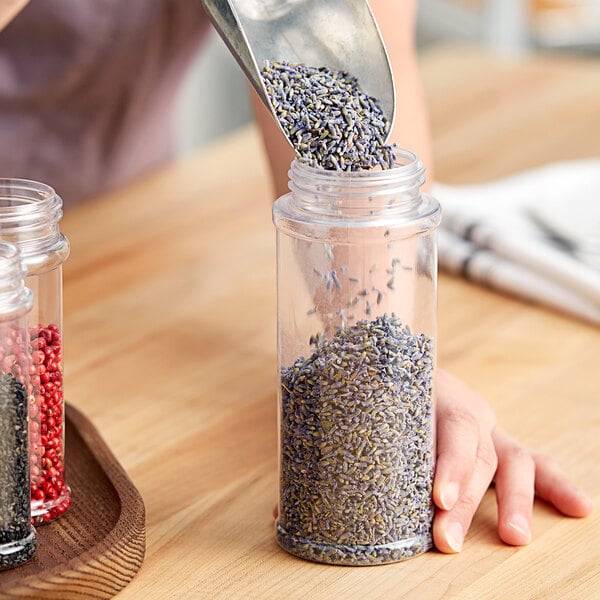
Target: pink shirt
[[87, 89]]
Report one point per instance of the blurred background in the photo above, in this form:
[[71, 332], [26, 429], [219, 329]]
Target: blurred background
[[215, 85]]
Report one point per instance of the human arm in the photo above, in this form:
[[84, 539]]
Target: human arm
[[9, 10]]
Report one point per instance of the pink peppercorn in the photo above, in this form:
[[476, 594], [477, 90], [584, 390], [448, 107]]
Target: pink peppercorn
[[45, 430]]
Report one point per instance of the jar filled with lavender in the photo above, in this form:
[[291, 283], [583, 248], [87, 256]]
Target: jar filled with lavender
[[29, 216], [17, 536], [357, 276]]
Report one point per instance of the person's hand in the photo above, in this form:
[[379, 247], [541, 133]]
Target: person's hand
[[472, 451]]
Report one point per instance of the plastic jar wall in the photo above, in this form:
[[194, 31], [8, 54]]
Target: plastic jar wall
[[29, 217], [357, 301], [17, 536]]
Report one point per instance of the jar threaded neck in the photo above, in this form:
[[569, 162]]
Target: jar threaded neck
[[29, 215], [327, 192]]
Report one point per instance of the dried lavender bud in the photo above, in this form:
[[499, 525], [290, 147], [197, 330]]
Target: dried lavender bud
[[17, 537], [357, 447], [331, 123]]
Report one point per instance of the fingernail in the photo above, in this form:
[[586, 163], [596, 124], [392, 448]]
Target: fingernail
[[449, 495], [455, 536], [520, 524]]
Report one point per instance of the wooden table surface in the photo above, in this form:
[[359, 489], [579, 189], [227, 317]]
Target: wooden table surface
[[171, 352]]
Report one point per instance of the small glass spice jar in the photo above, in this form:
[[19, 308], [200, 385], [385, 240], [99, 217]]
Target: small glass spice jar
[[357, 281], [17, 535], [29, 217]]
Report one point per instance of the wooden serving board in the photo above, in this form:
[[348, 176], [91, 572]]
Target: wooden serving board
[[98, 545]]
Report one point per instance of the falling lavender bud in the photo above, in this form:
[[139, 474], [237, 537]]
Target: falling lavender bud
[[336, 279]]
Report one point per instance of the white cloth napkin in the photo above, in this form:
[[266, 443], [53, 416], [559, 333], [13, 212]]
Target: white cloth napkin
[[535, 234]]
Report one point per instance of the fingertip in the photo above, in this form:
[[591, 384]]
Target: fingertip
[[577, 505], [449, 538], [515, 531], [555, 487], [449, 495], [570, 502], [446, 494]]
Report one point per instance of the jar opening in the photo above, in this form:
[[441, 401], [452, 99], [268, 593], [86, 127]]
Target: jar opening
[[368, 192], [29, 214], [408, 173], [23, 192]]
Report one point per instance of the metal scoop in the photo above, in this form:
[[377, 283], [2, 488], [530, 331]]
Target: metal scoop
[[339, 34]]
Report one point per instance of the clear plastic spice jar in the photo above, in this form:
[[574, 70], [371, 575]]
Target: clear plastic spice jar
[[17, 536], [29, 217], [357, 279]]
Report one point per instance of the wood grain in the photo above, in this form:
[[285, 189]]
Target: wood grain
[[97, 547], [170, 350]]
